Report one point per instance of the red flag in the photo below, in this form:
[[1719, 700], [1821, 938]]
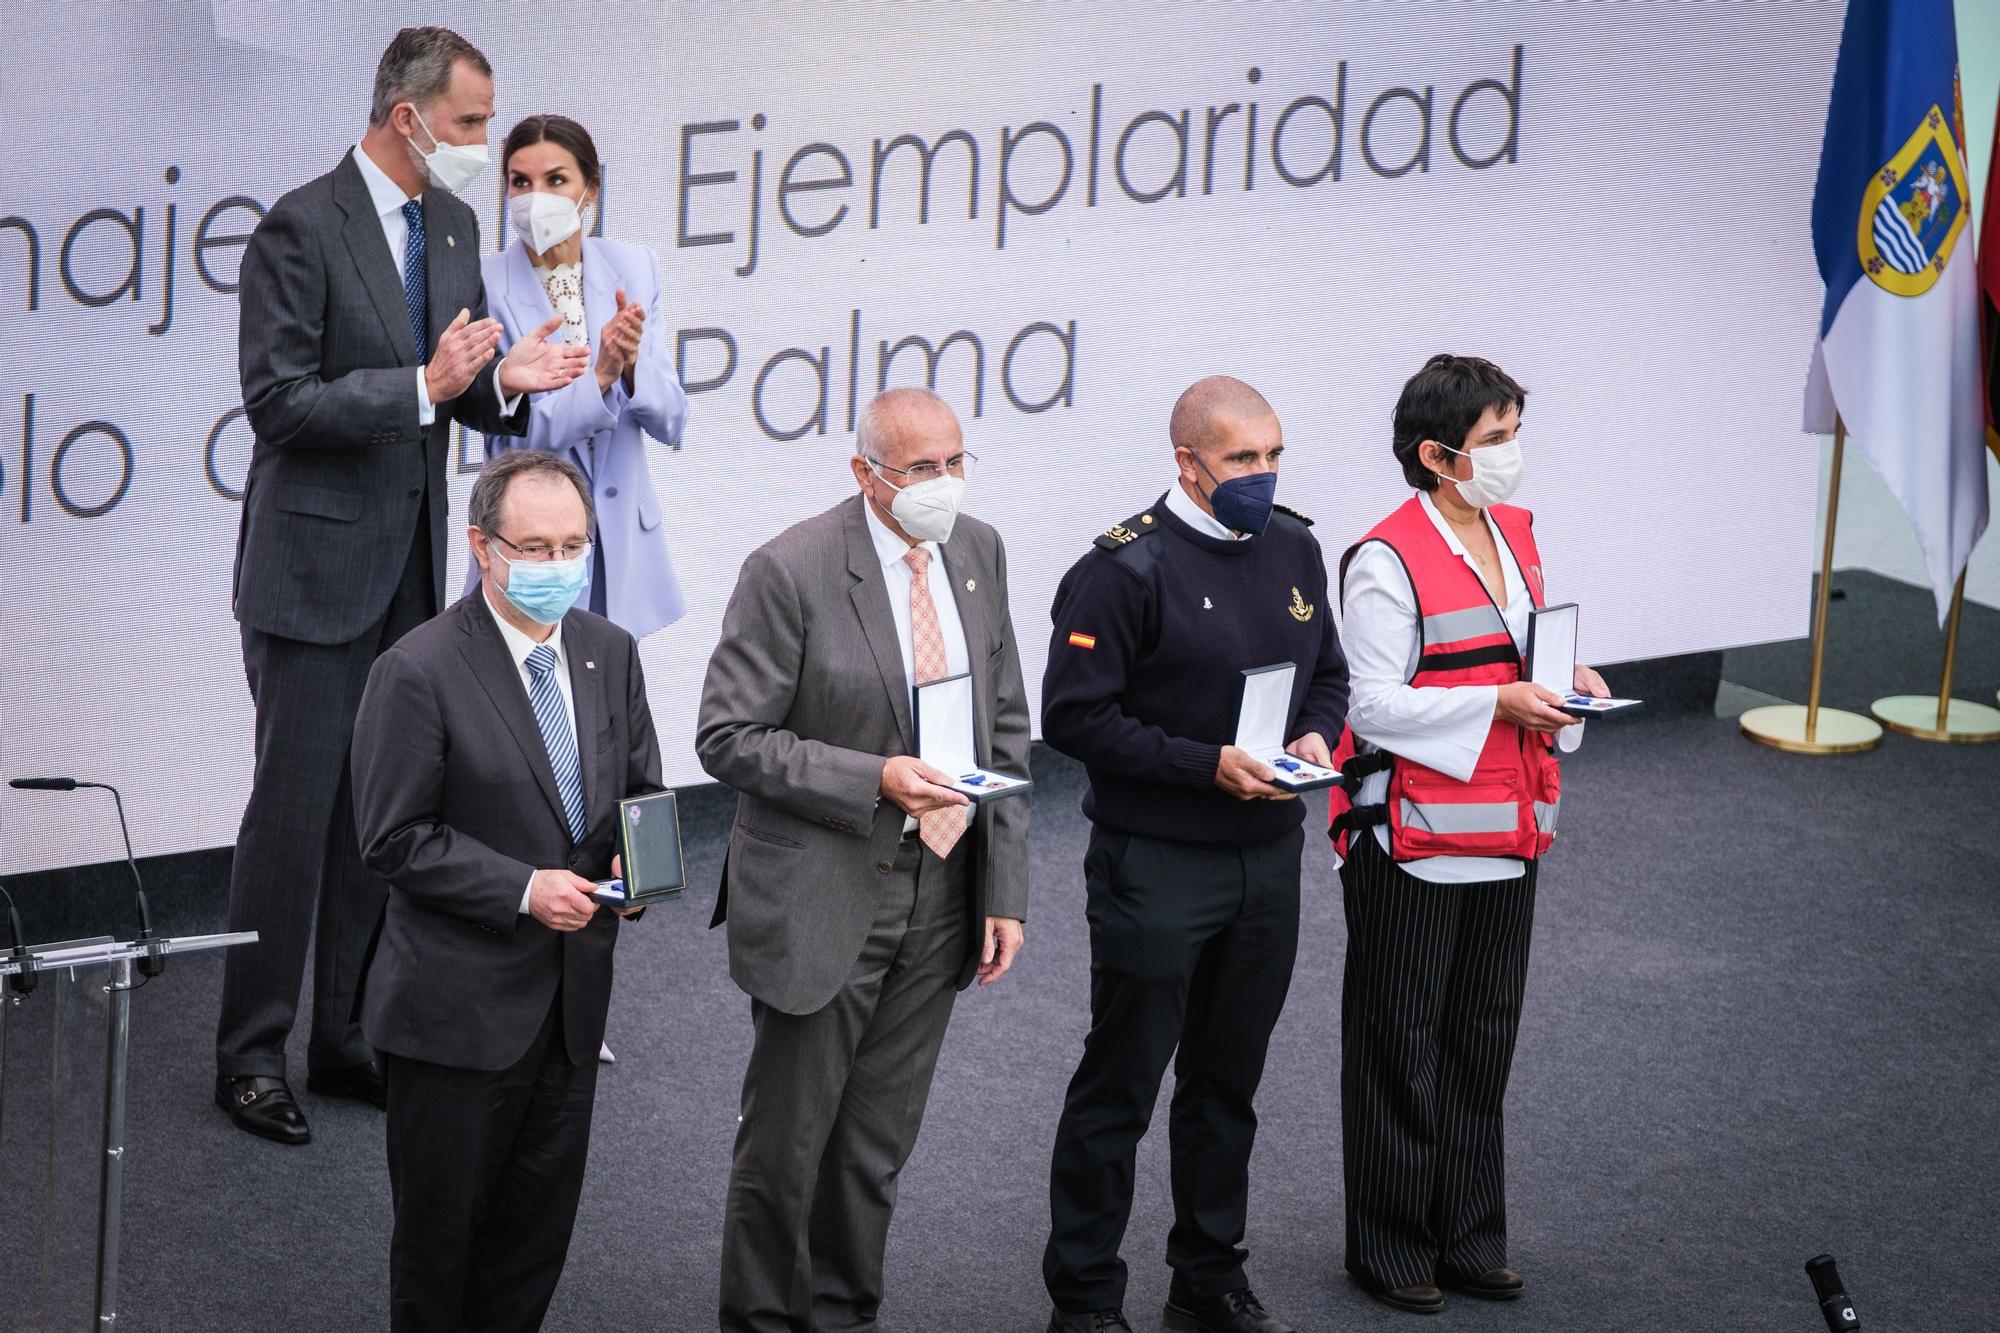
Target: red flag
[[1989, 291]]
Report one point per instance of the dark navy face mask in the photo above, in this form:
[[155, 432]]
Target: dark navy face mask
[[1242, 504]]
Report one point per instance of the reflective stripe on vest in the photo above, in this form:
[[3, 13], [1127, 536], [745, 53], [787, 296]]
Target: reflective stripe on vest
[[1474, 622], [1463, 816]]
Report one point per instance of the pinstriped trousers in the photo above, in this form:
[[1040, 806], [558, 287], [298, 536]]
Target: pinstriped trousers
[[1429, 1009]]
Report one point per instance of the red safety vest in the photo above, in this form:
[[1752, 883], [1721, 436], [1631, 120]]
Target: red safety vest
[[1508, 808]]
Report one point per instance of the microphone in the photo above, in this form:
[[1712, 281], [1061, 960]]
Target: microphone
[[1833, 1301], [155, 961], [25, 980]]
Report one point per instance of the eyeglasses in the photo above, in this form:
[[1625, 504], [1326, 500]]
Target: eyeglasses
[[918, 473], [542, 551]]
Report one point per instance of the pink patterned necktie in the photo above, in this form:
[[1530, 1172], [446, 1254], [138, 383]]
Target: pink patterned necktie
[[940, 829]]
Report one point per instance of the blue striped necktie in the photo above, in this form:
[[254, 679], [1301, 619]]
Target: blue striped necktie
[[416, 282], [553, 718]]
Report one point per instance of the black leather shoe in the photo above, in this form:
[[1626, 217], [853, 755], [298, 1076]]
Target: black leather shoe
[[1422, 1298], [264, 1107], [363, 1082], [1089, 1321], [1231, 1312], [1495, 1284]]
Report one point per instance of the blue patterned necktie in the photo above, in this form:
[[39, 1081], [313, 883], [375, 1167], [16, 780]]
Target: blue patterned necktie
[[416, 284], [546, 697]]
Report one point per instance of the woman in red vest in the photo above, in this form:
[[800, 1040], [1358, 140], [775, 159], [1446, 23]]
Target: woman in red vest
[[1456, 789]]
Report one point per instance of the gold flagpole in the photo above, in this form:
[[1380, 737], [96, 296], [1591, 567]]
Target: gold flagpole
[[1812, 729], [1943, 718]]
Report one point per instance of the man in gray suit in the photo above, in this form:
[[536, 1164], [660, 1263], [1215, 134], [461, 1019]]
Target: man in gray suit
[[859, 895], [491, 751], [363, 337]]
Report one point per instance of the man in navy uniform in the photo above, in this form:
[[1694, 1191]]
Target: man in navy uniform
[[1193, 867]]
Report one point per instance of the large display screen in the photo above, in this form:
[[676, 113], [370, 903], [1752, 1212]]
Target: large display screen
[[1058, 215]]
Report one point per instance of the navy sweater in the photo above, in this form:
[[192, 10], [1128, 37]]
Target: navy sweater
[[1153, 629]]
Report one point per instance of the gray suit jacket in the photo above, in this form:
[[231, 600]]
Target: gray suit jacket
[[457, 806], [339, 464], [806, 696]]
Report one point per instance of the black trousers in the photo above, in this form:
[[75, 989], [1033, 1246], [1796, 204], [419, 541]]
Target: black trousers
[[297, 878], [1429, 1009], [485, 1167], [832, 1102], [1191, 946]]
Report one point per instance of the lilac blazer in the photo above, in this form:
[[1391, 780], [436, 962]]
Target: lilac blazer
[[642, 593]]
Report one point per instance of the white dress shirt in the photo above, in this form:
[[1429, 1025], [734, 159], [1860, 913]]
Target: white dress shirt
[[1182, 506], [1440, 727], [896, 572], [388, 198], [519, 646]]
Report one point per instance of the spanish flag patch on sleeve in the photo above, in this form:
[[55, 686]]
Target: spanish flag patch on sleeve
[[1077, 640]]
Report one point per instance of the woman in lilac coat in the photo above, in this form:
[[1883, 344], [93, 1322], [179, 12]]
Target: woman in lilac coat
[[609, 295]]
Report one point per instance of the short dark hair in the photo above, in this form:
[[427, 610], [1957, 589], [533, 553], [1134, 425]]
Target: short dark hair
[[417, 67], [490, 491], [564, 133], [1443, 402]]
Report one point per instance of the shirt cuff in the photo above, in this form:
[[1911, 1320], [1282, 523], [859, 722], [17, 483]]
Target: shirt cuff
[[526, 894], [426, 410], [507, 405]]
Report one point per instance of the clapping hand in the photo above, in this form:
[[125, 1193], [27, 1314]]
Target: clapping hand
[[618, 344], [536, 365], [463, 349]]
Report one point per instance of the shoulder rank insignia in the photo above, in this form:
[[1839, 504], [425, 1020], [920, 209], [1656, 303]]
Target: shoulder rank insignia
[[1301, 609], [1287, 509], [1124, 534]]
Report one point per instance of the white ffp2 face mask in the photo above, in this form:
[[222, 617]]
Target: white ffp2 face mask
[[1496, 474], [929, 510], [450, 166], [544, 221]]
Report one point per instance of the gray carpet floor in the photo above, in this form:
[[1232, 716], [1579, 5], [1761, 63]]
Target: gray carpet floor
[[1763, 1020]]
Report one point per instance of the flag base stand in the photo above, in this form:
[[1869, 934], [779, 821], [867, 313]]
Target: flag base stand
[[1807, 728], [1917, 715], [1939, 717], [1835, 731]]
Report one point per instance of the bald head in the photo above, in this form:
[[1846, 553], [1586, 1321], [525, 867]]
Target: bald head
[[1211, 408], [906, 424]]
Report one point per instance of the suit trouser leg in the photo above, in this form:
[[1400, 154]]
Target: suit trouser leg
[[351, 899], [793, 1093], [297, 835], [1408, 942], [1237, 994], [473, 1153], [1153, 906], [882, 1106], [1482, 1018]]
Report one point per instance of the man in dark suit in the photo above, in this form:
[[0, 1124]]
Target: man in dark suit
[[491, 751], [363, 337], [859, 897]]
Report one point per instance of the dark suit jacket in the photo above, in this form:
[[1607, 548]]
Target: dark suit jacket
[[457, 806], [339, 464], [805, 697]]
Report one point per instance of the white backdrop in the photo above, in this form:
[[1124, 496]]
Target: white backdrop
[[1611, 201]]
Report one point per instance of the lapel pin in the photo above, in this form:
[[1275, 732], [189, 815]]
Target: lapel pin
[[590, 666], [971, 585], [451, 241]]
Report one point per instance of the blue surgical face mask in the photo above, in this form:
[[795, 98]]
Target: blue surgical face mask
[[1242, 504], [543, 590]]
